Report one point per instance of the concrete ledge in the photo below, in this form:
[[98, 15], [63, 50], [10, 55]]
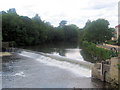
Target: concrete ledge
[[107, 72], [4, 54]]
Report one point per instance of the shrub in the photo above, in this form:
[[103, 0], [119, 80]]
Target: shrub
[[119, 41], [93, 51]]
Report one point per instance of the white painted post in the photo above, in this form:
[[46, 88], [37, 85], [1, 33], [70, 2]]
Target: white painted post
[[102, 67]]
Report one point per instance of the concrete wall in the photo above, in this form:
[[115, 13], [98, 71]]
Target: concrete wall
[[114, 70], [110, 71]]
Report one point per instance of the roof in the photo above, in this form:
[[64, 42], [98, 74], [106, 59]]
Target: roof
[[117, 26]]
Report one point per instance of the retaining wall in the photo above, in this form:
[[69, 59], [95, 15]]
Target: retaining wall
[[110, 71]]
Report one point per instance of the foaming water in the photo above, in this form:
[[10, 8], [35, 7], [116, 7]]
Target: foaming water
[[80, 71], [70, 53], [20, 74], [74, 68], [74, 53]]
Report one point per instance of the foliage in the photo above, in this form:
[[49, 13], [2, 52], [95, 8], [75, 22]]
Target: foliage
[[32, 31], [71, 32], [97, 31], [95, 52], [119, 41], [112, 42], [62, 23], [118, 66], [0, 29]]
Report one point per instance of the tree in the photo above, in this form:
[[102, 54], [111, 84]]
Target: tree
[[2, 12], [0, 30], [36, 17], [26, 31], [12, 10], [87, 23], [119, 40], [62, 23], [97, 31], [71, 32]]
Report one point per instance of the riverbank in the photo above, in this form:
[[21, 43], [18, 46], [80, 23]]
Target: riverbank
[[4, 54], [20, 72], [109, 46], [96, 54]]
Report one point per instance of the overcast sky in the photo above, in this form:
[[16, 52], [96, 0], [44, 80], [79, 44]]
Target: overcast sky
[[74, 11]]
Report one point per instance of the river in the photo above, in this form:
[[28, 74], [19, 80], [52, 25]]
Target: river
[[30, 69]]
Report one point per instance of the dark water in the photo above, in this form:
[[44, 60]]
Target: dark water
[[31, 70], [67, 49]]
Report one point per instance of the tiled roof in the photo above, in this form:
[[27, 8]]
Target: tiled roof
[[117, 26]]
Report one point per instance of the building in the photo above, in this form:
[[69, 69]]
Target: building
[[114, 38], [116, 32]]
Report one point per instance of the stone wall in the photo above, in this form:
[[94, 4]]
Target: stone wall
[[114, 70], [110, 71]]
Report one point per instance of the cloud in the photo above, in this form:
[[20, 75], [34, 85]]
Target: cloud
[[74, 11]]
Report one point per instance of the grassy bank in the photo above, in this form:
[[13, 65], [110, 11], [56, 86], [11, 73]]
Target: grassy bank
[[95, 54]]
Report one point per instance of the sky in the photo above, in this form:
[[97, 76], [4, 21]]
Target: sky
[[73, 11]]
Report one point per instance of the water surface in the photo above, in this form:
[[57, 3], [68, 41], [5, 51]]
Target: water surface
[[29, 69]]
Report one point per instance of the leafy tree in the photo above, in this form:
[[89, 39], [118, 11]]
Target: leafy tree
[[33, 31], [119, 40], [71, 32], [87, 23], [62, 23], [95, 52], [36, 17], [0, 29], [97, 31], [12, 10]]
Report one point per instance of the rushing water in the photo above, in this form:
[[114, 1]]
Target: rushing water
[[77, 69], [54, 67]]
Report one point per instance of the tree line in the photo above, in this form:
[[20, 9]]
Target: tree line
[[32, 31], [23, 30]]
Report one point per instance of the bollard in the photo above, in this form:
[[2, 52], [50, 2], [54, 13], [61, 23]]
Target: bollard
[[102, 67]]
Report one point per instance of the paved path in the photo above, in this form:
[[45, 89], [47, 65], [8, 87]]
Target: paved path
[[108, 46]]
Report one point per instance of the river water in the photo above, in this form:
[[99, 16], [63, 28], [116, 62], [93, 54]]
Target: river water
[[30, 69]]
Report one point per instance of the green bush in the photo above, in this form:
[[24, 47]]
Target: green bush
[[112, 42], [93, 51], [118, 66], [119, 41]]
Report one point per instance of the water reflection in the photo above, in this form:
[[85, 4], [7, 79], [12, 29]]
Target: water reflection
[[67, 49]]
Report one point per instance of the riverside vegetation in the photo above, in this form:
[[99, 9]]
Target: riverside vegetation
[[95, 53], [25, 31]]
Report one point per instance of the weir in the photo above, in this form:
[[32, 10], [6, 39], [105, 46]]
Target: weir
[[62, 58], [79, 69]]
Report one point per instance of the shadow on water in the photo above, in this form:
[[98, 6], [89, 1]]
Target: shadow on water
[[56, 47], [87, 56], [67, 49], [51, 47], [98, 82]]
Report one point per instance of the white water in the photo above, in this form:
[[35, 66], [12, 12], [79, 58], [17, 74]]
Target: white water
[[72, 53], [20, 74], [77, 69]]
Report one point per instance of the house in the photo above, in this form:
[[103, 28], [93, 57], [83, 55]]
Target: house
[[116, 33]]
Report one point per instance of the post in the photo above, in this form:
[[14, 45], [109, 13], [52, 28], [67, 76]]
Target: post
[[102, 67]]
